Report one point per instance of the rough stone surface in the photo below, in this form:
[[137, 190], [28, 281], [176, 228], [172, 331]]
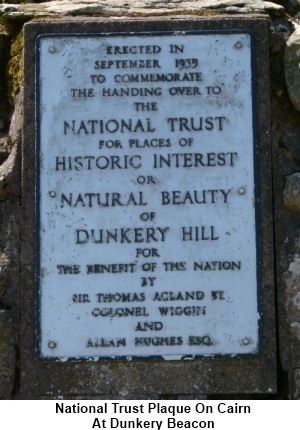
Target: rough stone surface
[[125, 7], [294, 379], [286, 168], [292, 70], [9, 296], [9, 255], [14, 69], [291, 193], [286, 163], [289, 300], [10, 258], [292, 304], [5, 274], [4, 148], [4, 50], [10, 169], [7, 354], [9, 293], [189, 397], [290, 142]]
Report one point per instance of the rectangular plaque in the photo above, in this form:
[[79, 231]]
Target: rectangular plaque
[[146, 196]]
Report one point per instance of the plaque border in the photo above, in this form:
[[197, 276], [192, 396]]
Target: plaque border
[[256, 185], [144, 379]]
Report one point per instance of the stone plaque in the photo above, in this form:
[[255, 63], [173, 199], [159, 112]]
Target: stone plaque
[[146, 196], [147, 248]]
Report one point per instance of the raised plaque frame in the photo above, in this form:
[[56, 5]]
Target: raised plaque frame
[[207, 383]]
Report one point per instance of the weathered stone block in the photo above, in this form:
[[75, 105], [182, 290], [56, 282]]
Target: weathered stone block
[[4, 148], [292, 278], [194, 397], [4, 50], [10, 169], [5, 273], [123, 7], [291, 193], [9, 294], [289, 141], [294, 379], [7, 355], [289, 300], [292, 71]]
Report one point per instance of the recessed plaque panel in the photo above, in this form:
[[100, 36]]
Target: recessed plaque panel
[[146, 201]]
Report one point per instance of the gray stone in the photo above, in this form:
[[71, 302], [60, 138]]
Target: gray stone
[[289, 300], [294, 380], [281, 29], [292, 296], [10, 169], [5, 273], [4, 53], [289, 141], [124, 7], [4, 148], [9, 257], [291, 192], [194, 397], [291, 66], [7, 355], [9, 295]]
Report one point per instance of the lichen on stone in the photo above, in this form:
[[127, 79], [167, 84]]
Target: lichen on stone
[[291, 192], [131, 8], [292, 71], [15, 67]]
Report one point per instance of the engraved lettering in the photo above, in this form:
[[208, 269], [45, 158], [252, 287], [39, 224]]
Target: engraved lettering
[[102, 342]]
